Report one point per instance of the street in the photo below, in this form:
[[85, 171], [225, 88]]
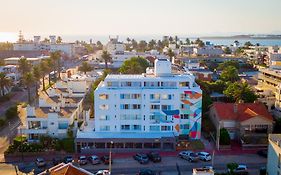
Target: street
[[128, 166]]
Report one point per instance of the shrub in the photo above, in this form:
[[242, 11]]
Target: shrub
[[12, 112], [224, 137], [68, 144], [2, 122], [231, 167]]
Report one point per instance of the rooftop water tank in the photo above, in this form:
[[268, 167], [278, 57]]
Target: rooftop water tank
[[162, 67]]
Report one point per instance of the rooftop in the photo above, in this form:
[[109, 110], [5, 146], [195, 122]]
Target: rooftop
[[146, 77], [276, 138], [243, 111], [65, 169], [42, 112]]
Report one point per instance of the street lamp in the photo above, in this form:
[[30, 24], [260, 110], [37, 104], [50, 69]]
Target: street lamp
[[109, 169]]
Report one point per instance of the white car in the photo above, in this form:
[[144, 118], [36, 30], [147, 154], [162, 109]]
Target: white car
[[94, 159], [102, 172], [241, 169], [204, 156]]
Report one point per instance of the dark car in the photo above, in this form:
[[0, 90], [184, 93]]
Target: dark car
[[146, 172], [82, 160], [262, 153], [154, 156], [40, 162], [57, 160], [141, 158], [105, 159], [68, 159]]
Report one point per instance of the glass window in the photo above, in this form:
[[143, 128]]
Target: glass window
[[104, 127], [136, 96], [154, 128], [137, 127], [184, 126], [136, 106], [165, 128], [104, 117], [103, 96], [129, 145], [154, 96], [125, 127], [103, 107], [154, 106], [124, 96], [184, 116], [184, 84], [63, 125], [166, 107], [138, 145], [124, 106], [166, 96], [112, 84]]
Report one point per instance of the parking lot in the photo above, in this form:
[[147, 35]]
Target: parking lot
[[168, 165]]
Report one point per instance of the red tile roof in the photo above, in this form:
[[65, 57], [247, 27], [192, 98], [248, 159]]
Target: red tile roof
[[245, 111], [65, 169]]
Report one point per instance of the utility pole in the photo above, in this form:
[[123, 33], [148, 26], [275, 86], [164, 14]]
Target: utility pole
[[109, 169]]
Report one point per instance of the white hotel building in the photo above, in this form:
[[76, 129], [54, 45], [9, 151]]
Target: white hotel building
[[144, 111]]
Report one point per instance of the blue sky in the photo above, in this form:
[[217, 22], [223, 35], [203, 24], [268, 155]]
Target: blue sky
[[140, 17]]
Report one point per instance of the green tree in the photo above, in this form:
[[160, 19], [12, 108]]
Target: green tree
[[128, 40], [229, 73], [56, 58], [6, 46], [238, 52], [171, 39], [5, 82], [227, 50], [248, 44], [46, 40], [135, 65], [176, 41], [199, 42], [240, 92], [231, 167], [151, 44], [59, 40], [85, 67], [142, 46], [134, 44], [45, 69], [37, 77], [106, 57], [228, 63], [224, 137], [100, 45], [171, 54], [187, 41], [24, 66], [28, 80]]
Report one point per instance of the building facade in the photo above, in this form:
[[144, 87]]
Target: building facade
[[273, 166], [148, 106]]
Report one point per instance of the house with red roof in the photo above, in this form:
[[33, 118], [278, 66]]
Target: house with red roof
[[242, 119]]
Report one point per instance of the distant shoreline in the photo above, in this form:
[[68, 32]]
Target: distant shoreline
[[244, 37]]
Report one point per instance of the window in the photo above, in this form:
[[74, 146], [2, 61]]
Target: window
[[154, 128], [125, 127], [154, 96], [124, 106], [184, 126], [165, 128], [166, 107], [136, 106], [126, 84], [184, 84], [124, 96], [104, 117], [105, 128], [103, 107], [112, 84], [137, 127], [130, 117], [154, 106], [166, 96], [184, 116], [63, 125], [169, 84], [103, 96], [136, 96]]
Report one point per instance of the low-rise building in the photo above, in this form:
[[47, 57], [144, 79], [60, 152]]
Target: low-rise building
[[65, 169], [32, 61], [208, 51], [242, 119], [273, 165], [57, 111]]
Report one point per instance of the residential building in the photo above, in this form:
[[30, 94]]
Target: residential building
[[199, 72], [65, 169], [115, 47], [242, 119], [269, 81], [208, 51], [11, 71], [57, 111], [273, 166], [33, 61], [147, 111], [35, 45]]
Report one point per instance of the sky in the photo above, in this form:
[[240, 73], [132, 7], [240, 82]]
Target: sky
[[139, 17]]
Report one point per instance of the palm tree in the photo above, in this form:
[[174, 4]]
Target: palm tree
[[85, 67], [44, 70], [24, 66], [49, 66], [5, 82], [56, 57], [28, 80], [106, 57], [37, 76], [171, 54]]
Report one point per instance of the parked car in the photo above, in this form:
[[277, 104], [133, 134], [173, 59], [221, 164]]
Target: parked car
[[141, 158], [82, 160], [102, 172], [68, 159], [57, 160], [241, 170], [263, 170], [189, 155], [94, 159], [40, 162], [146, 172], [154, 156], [105, 159], [204, 156], [262, 153]]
